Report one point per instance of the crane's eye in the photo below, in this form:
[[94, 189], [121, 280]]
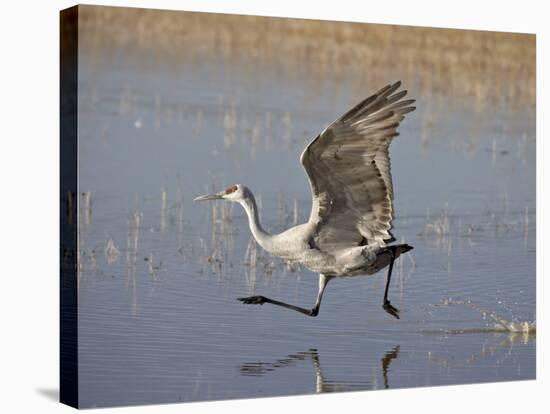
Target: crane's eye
[[231, 189]]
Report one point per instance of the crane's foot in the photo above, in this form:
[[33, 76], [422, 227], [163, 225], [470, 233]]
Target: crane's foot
[[253, 300], [388, 307]]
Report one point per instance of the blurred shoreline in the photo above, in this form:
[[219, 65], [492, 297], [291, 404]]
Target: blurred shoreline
[[486, 68]]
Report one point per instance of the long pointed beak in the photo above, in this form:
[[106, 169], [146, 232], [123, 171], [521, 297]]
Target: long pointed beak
[[216, 196]]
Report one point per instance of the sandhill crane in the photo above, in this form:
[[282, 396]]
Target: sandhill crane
[[350, 224]]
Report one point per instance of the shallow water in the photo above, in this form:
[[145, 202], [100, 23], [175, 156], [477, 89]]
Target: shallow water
[[159, 276]]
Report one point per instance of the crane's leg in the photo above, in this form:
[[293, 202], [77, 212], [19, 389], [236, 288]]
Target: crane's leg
[[260, 300], [387, 305]]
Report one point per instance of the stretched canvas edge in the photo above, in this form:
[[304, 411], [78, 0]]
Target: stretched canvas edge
[[68, 151]]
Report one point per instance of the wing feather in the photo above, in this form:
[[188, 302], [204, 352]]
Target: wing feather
[[348, 166]]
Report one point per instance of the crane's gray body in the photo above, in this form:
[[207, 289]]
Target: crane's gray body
[[295, 245]]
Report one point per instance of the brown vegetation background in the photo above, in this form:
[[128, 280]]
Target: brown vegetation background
[[484, 68]]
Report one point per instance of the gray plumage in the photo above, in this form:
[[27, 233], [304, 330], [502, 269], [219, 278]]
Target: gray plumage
[[350, 224]]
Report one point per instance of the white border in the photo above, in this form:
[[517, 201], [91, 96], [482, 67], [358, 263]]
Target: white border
[[29, 138]]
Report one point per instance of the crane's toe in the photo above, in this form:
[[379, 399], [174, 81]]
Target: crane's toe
[[253, 300], [393, 311]]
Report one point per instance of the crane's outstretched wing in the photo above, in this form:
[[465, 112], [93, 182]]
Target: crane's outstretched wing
[[348, 166]]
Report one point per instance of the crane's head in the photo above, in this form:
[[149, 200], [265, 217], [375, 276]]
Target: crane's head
[[236, 192]]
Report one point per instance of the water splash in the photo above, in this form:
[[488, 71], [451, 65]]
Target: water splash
[[501, 324]]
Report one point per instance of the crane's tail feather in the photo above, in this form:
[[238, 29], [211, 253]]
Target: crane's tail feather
[[398, 249], [403, 248]]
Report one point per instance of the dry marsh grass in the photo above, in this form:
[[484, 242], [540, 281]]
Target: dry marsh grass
[[488, 67]]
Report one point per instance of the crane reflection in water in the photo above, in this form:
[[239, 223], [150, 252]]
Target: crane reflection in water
[[322, 385]]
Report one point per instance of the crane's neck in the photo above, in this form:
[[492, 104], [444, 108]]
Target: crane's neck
[[263, 238]]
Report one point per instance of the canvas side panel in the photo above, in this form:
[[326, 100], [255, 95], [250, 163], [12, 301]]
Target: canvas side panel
[[68, 207]]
